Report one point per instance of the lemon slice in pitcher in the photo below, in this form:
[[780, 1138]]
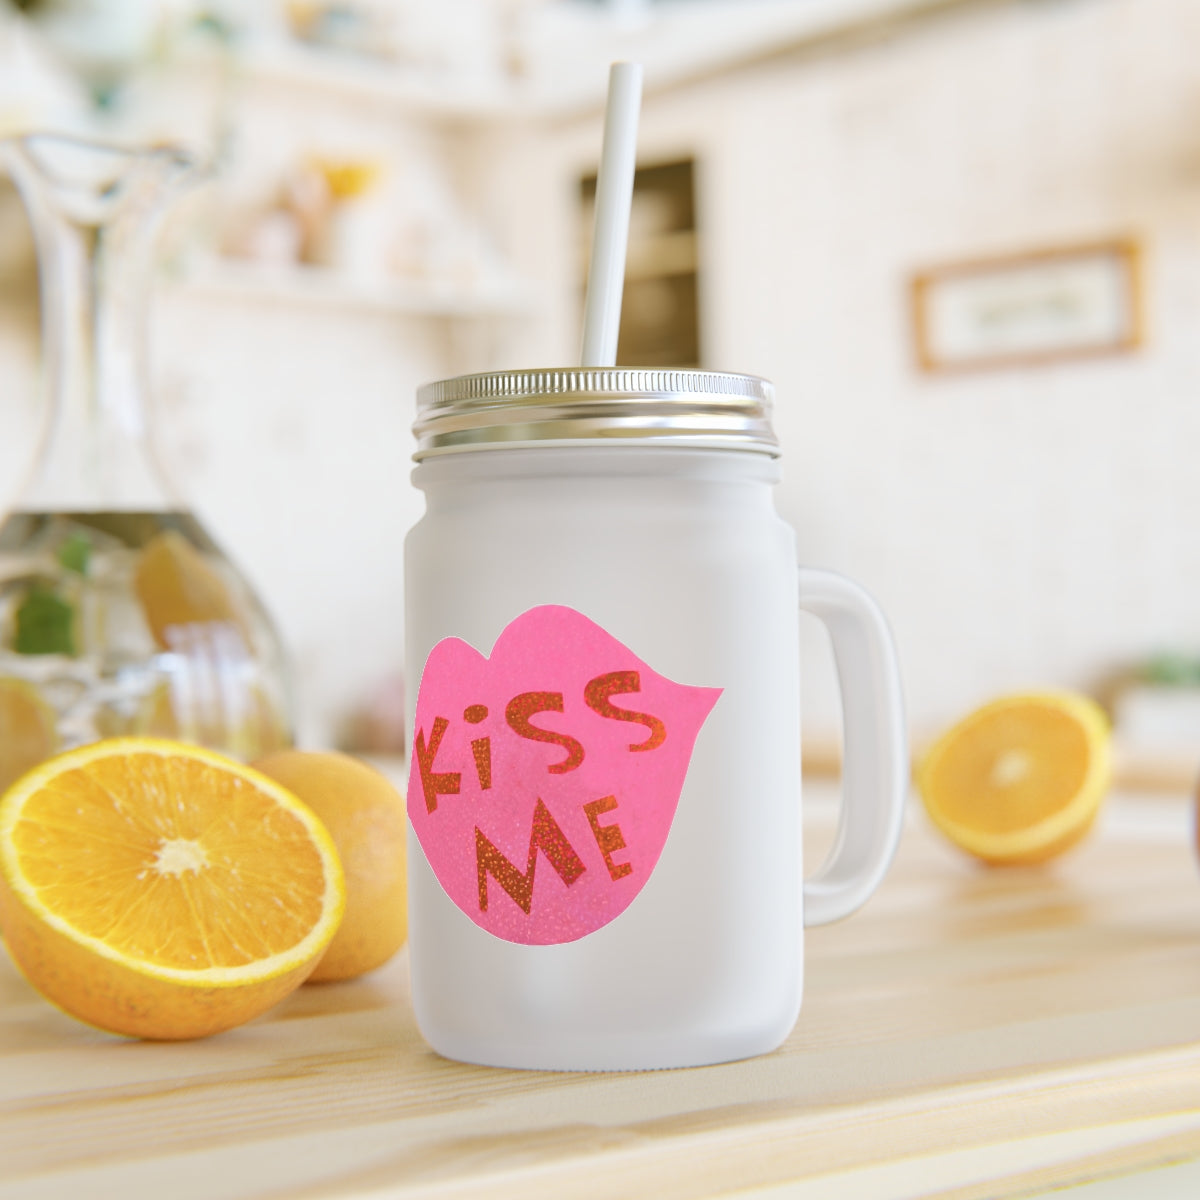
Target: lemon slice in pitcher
[[28, 729]]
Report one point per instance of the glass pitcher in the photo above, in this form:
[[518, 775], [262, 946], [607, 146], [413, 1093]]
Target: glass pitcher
[[119, 614]]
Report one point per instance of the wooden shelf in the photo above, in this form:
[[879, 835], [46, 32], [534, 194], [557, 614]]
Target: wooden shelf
[[317, 287], [654, 257]]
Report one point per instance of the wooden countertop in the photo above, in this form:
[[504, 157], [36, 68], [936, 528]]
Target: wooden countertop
[[969, 1033]]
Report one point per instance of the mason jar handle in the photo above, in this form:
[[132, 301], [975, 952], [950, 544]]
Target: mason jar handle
[[875, 763]]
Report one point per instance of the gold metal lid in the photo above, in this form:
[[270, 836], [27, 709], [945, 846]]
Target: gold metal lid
[[495, 409]]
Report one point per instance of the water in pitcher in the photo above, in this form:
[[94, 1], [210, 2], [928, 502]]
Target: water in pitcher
[[119, 615], [129, 623]]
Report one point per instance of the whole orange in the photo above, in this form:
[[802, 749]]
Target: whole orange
[[365, 816]]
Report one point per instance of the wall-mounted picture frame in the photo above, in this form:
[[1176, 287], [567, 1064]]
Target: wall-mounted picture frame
[[1041, 306]]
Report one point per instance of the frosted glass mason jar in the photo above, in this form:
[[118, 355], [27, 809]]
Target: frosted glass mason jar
[[601, 600]]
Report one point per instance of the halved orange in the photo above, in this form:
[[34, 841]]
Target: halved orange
[[1021, 779], [162, 891]]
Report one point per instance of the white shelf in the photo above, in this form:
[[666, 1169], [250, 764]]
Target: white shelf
[[362, 79], [317, 287], [564, 48]]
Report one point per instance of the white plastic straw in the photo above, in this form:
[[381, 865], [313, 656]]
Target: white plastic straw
[[610, 234]]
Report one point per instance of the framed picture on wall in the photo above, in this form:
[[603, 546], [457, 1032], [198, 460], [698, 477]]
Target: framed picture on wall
[[1042, 306]]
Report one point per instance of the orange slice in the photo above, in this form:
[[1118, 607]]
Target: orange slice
[[28, 729], [162, 891], [1021, 779], [177, 586]]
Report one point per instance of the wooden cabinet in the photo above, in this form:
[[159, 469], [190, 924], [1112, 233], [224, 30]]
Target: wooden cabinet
[[660, 325]]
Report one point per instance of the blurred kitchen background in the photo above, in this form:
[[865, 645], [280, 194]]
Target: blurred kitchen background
[[961, 236]]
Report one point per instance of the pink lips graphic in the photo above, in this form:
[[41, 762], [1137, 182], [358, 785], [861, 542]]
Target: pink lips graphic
[[545, 778]]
